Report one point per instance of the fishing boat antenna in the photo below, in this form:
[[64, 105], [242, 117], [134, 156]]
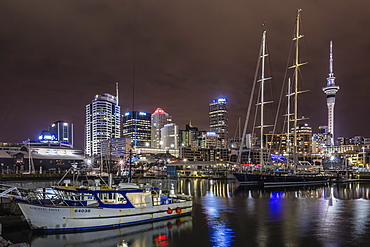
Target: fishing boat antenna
[[129, 179]]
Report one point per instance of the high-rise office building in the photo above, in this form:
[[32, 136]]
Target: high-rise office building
[[103, 121], [159, 119], [63, 131], [136, 126], [218, 119], [169, 136], [330, 90], [189, 137]]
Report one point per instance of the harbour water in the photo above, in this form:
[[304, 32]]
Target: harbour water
[[226, 214]]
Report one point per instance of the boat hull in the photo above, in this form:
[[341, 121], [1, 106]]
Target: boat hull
[[248, 178], [54, 218], [280, 179]]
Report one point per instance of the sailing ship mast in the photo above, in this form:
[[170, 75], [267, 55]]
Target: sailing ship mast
[[262, 57], [262, 96], [296, 66]]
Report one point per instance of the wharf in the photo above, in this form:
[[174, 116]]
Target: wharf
[[36, 176]]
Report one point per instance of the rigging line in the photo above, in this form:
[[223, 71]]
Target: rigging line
[[249, 108], [255, 120], [236, 134], [282, 93]]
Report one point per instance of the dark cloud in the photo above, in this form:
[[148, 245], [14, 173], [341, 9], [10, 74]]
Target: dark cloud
[[56, 55]]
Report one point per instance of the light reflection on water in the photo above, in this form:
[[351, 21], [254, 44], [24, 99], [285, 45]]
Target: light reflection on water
[[226, 214]]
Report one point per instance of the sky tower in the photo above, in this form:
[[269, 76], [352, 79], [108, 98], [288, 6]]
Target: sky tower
[[330, 90]]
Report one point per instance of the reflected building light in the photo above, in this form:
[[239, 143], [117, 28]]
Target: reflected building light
[[189, 189], [221, 235]]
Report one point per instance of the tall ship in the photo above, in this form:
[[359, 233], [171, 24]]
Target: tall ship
[[267, 173]]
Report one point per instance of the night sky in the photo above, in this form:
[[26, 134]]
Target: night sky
[[55, 56]]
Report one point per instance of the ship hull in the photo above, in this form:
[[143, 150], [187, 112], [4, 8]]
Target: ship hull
[[280, 179], [248, 178], [62, 219]]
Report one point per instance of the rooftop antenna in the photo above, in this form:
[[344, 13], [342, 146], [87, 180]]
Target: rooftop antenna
[[117, 92]]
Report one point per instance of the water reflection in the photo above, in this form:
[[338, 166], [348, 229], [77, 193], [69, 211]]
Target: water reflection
[[331, 215], [153, 234], [204, 187], [220, 230]]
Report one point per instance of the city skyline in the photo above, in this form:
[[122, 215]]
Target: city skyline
[[56, 56]]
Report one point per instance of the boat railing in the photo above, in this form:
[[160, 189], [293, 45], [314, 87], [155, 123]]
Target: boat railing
[[44, 196], [7, 191]]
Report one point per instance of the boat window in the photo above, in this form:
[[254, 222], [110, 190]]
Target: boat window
[[112, 198], [140, 199]]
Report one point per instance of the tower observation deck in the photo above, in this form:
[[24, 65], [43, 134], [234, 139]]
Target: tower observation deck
[[330, 90]]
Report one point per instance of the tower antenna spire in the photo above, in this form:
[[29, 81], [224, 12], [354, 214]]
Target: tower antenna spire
[[331, 77], [330, 90]]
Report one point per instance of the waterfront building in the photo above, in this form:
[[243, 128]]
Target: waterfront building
[[140, 151], [248, 156], [159, 119], [103, 121], [169, 136], [137, 126], [63, 131], [204, 154], [330, 90], [218, 119], [38, 157], [198, 169], [211, 140]]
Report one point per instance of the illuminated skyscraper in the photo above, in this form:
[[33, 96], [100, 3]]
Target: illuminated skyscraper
[[218, 119], [136, 126], [330, 90], [103, 121], [159, 119], [169, 136]]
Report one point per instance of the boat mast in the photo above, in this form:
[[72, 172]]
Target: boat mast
[[296, 66], [288, 120], [262, 97], [261, 58]]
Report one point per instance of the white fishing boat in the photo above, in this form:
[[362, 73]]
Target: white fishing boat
[[78, 208]]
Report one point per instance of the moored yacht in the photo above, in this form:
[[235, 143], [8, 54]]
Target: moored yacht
[[277, 176]]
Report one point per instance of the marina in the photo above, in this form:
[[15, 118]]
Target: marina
[[226, 213], [152, 161]]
